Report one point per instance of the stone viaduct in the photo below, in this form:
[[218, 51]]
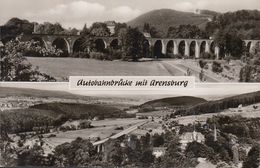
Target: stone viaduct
[[159, 47]]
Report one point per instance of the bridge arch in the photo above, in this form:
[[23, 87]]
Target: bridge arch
[[40, 40], [157, 49], [181, 48], [170, 48], [100, 45], [248, 46], [114, 44], [192, 49], [212, 47], [62, 44], [79, 45], [203, 47]]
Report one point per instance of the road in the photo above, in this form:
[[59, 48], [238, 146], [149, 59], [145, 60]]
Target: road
[[124, 132], [177, 68]]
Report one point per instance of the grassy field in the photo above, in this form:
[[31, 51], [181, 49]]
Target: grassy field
[[102, 129], [247, 112], [62, 68]]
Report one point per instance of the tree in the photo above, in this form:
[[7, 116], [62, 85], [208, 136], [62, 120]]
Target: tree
[[253, 158], [158, 140], [174, 156], [117, 154], [8, 154], [147, 158], [15, 67], [99, 29], [133, 43], [79, 153], [85, 31], [146, 28], [186, 31], [119, 27], [31, 157]]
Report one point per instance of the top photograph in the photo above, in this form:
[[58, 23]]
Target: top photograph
[[51, 40]]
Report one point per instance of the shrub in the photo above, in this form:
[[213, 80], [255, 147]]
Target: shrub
[[178, 56], [100, 56], [119, 128], [80, 55], [207, 55], [249, 74], [216, 67], [115, 54], [202, 64], [84, 124]]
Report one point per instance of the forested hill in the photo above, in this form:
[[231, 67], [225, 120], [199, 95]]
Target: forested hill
[[174, 101], [246, 23], [164, 18], [220, 105]]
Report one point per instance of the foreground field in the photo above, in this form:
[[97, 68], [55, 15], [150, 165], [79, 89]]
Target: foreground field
[[62, 68]]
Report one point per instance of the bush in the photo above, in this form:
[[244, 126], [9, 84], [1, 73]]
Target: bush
[[99, 56], [178, 56], [216, 67], [83, 124], [80, 55], [119, 128], [249, 73], [202, 64], [207, 55], [115, 54], [252, 160], [201, 150]]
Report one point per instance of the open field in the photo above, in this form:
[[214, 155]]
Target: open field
[[62, 68], [102, 129], [247, 112]]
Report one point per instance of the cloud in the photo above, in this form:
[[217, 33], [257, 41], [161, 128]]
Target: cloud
[[184, 6], [125, 13], [77, 13]]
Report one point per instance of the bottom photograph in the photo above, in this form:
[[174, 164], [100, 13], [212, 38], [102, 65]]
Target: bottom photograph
[[209, 126]]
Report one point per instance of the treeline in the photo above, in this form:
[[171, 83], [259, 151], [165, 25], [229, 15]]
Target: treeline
[[220, 105], [82, 111], [245, 22], [49, 115]]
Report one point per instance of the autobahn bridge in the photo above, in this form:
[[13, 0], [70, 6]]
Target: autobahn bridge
[[157, 47]]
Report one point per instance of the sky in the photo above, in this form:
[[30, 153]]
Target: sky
[[75, 13]]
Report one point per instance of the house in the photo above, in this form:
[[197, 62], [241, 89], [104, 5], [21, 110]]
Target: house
[[111, 26], [189, 137]]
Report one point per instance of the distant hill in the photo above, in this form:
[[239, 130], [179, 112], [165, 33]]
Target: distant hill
[[22, 92], [164, 18], [222, 104], [174, 101], [55, 114]]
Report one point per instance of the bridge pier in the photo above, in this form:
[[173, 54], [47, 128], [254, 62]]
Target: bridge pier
[[207, 48], [164, 48], [175, 48], [187, 49], [197, 50], [217, 50]]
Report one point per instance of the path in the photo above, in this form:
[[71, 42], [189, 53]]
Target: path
[[182, 67]]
